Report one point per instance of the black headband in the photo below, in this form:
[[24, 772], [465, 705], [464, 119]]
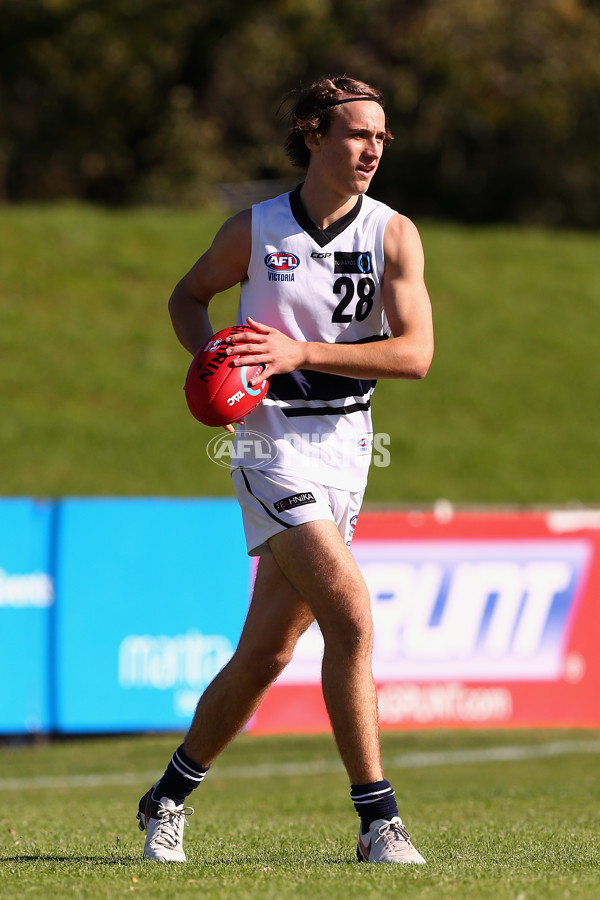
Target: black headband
[[352, 100]]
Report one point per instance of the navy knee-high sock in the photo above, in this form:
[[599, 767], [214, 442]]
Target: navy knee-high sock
[[373, 801], [181, 776]]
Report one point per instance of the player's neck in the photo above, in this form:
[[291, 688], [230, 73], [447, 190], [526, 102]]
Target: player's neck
[[323, 206]]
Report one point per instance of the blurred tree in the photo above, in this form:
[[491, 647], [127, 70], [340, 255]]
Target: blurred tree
[[500, 104], [495, 105], [88, 91]]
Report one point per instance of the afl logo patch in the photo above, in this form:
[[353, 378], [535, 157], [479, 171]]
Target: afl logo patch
[[281, 261]]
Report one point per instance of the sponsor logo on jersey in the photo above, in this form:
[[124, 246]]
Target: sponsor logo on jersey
[[281, 265], [294, 501], [364, 444], [315, 255], [351, 529], [354, 263], [280, 276], [281, 261]]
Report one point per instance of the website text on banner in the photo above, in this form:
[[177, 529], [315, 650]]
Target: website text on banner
[[26, 606], [159, 589], [116, 613], [482, 619]]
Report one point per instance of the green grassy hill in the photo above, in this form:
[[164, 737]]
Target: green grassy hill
[[91, 375]]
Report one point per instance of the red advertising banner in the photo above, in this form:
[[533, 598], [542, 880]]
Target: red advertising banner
[[481, 620]]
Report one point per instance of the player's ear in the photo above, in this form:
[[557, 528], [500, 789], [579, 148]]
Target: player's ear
[[313, 139]]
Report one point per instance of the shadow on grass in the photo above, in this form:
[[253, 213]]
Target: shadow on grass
[[92, 860], [243, 860]]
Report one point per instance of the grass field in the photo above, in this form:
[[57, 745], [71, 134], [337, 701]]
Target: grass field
[[497, 815], [91, 376], [92, 403]]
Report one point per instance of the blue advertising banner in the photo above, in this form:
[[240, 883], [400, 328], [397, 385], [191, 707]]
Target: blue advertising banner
[[153, 594], [26, 600]]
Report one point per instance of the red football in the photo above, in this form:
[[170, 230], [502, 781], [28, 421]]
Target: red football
[[217, 392]]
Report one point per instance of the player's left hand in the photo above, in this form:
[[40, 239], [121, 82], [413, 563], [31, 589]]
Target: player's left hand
[[268, 347]]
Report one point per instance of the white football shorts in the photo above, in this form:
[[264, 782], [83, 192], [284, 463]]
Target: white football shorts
[[271, 503]]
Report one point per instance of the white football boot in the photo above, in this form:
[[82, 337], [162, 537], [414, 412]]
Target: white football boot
[[387, 841], [163, 821]]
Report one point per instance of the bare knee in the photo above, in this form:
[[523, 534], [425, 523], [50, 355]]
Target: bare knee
[[350, 635], [262, 663]]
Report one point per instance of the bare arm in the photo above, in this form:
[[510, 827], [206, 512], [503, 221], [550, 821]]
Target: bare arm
[[407, 354], [223, 265]]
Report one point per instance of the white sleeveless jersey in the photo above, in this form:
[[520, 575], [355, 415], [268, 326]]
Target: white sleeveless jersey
[[315, 285]]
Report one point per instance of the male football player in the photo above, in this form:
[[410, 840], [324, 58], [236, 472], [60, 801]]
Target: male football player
[[332, 283]]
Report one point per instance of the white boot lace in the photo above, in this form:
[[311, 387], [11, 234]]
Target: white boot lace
[[393, 833], [171, 822]]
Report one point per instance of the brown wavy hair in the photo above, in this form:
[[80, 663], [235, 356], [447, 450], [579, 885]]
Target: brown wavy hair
[[312, 110]]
